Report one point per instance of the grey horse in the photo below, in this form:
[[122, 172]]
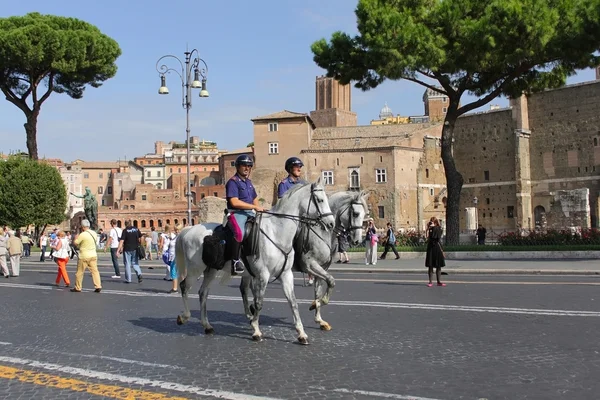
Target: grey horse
[[315, 248], [304, 204]]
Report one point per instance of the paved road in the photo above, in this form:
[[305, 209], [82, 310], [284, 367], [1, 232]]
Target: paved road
[[481, 337]]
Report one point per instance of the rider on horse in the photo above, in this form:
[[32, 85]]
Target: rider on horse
[[293, 167], [242, 202]]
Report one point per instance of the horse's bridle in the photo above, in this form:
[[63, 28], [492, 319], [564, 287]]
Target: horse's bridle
[[318, 220], [306, 220], [352, 227]]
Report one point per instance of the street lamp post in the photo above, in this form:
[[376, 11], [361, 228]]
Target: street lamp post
[[188, 82]]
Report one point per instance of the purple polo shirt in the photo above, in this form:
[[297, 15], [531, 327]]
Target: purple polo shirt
[[240, 188]]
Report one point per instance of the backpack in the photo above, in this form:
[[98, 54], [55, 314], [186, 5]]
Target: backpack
[[391, 237]]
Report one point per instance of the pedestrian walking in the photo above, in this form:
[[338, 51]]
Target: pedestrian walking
[[26, 244], [343, 245], [371, 246], [481, 232], [3, 253], [128, 245], [61, 257], [154, 235], [148, 240], [171, 257], [114, 236], [163, 244], [88, 257], [435, 254], [43, 245], [15, 250], [390, 242]]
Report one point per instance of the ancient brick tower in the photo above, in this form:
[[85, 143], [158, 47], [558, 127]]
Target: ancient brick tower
[[333, 104]]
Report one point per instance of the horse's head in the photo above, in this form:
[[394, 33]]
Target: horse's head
[[320, 204], [355, 216]]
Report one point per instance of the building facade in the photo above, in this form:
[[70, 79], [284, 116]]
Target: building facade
[[384, 160], [535, 164]]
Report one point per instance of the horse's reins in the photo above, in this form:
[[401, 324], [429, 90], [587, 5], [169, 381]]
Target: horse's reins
[[351, 217], [308, 221]]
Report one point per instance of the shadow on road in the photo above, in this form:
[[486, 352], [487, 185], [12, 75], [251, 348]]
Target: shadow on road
[[224, 323]]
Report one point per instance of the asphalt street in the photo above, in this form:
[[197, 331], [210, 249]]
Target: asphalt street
[[481, 337]]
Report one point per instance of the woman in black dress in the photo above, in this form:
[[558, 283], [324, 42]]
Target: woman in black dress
[[435, 255]]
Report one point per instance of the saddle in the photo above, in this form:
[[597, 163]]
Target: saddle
[[219, 247]]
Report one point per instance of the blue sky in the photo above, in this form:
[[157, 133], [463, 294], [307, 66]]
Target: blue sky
[[259, 60]]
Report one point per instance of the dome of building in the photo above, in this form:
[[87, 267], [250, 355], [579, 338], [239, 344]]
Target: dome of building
[[385, 112]]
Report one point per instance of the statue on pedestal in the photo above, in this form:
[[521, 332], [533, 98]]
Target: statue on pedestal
[[90, 207]]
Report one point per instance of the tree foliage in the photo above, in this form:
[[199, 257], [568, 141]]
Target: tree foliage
[[484, 48], [31, 192], [64, 54]]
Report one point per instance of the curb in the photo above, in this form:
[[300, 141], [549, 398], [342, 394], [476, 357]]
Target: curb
[[466, 271]]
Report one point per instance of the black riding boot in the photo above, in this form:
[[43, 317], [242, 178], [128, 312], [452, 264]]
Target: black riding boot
[[237, 266]]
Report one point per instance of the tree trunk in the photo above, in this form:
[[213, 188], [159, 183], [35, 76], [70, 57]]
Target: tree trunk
[[31, 130], [454, 182]]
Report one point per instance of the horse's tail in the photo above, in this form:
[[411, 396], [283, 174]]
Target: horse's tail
[[180, 258]]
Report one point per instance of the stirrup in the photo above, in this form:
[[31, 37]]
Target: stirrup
[[237, 267]]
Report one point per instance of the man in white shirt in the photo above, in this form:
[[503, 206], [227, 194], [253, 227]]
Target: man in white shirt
[[113, 243]]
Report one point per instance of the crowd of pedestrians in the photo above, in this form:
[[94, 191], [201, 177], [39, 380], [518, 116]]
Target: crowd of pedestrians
[[131, 244]]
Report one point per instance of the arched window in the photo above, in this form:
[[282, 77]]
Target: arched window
[[135, 223], [160, 223], [176, 221], [143, 223], [151, 223], [119, 224]]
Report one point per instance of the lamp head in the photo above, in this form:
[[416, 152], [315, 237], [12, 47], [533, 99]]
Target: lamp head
[[204, 92], [196, 83], [163, 86]]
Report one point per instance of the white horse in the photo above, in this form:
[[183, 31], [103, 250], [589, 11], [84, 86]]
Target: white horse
[[315, 248], [304, 204]]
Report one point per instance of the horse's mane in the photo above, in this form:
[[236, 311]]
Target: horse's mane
[[287, 194]]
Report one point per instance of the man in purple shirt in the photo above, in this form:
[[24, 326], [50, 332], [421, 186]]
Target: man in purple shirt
[[242, 201], [293, 166]]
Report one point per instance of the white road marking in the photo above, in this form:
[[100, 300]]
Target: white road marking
[[116, 359], [105, 376], [5, 344], [374, 394], [339, 277], [354, 303]]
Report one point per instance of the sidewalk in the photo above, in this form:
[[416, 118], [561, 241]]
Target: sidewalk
[[412, 266]]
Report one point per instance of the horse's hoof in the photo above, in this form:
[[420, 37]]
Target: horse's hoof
[[209, 331], [179, 320], [303, 340], [325, 327], [313, 306], [257, 338]]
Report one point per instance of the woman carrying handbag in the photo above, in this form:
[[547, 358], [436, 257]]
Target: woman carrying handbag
[[435, 257]]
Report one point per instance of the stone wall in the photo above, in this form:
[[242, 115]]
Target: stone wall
[[484, 152], [569, 208], [210, 209]]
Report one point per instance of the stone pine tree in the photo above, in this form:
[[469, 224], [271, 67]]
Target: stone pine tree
[[31, 192], [42, 54], [484, 48]]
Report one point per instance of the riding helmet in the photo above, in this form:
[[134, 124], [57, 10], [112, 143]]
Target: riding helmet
[[293, 162], [244, 159]]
